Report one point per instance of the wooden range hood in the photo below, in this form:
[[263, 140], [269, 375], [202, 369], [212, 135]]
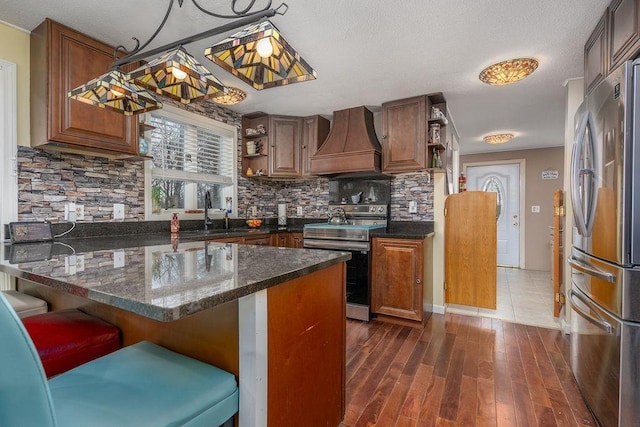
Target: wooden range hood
[[352, 145]]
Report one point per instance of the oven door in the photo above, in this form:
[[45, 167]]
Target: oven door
[[358, 274]]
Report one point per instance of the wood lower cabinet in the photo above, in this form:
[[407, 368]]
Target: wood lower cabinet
[[397, 278], [261, 240], [61, 60], [280, 240], [295, 240]]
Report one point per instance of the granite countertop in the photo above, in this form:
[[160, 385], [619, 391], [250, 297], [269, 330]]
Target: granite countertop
[[156, 278], [405, 230]]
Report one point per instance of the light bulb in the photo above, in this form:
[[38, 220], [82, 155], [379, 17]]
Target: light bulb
[[264, 47], [178, 73], [116, 94]]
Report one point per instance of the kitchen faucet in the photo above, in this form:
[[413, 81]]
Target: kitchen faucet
[[207, 205]]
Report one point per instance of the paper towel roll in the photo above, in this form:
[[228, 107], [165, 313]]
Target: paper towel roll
[[282, 214]]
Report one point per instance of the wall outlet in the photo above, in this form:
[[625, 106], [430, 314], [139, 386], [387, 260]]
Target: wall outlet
[[535, 209], [70, 212], [118, 211], [79, 212], [73, 264], [118, 259], [413, 207], [299, 210]]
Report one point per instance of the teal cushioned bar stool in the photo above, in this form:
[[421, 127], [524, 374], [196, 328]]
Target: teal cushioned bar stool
[[140, 385]]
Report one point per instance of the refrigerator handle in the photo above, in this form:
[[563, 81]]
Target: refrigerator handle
[[599, 322], [578, 214], [591, 269]]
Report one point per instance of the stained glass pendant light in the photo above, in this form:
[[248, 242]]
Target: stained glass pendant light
[[233, 96], [178, 75], [113, 92], [499, 138], [507, 72], [261, 57]]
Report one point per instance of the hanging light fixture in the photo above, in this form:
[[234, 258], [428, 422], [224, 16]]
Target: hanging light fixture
[[232, 96], [507, 72], [178, 75], [499, 138], [112, 91], [261, 57]]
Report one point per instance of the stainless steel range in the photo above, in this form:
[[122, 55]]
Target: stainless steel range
[[348, 229]]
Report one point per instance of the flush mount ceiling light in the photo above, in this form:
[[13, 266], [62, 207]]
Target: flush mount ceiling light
[[113, 92], [261, 57], [499, 138], [507, 72], [232, 96], [180, 76]]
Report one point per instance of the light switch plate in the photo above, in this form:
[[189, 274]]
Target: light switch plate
[[299, 210], [413, 207], [118, 211], [535, 209], [118, 259]]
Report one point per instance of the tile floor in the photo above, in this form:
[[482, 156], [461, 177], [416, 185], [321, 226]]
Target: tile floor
[[524, 296]]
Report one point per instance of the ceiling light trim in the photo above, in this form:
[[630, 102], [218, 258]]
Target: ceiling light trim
[[499, 138], [509, 71], [232, 96]]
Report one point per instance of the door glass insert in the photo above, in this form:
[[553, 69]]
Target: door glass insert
[[492, 185]]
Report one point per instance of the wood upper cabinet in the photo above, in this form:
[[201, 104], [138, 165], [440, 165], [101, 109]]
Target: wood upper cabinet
[[61, 60], [595, 55], [397, 278], [623, 31], [406, 141], [284, 146], [314, 131], [404, 135]]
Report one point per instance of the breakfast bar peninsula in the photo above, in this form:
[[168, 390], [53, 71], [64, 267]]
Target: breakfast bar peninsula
[[275, 317]]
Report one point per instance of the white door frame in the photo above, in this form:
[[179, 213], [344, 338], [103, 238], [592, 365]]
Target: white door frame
[[522, 163], [9, 150]]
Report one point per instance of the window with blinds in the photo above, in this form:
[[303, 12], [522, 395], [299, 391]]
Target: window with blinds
[[192, 154]]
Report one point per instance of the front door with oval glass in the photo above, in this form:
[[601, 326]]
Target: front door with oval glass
[[504, 180]]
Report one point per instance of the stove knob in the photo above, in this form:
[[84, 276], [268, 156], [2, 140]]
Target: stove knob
[[372, 209], [381, 209]]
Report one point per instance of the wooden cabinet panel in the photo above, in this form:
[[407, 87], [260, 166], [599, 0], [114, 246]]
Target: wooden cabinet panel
[[262, 240], [295, 240], [404, 130], [62, 59], [284, 146], [280, 240], [595, 55], [314, 131], [397, 278], [624, 31]]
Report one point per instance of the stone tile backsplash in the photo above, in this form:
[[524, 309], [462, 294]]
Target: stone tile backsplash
[[48, 179]]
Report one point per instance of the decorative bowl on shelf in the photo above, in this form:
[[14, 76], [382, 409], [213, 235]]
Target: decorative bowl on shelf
[[254, 222]]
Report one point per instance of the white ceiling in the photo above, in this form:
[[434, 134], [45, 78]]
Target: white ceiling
[[370, 52]]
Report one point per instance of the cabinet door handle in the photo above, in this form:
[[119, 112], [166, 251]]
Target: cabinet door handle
[[418, 281]]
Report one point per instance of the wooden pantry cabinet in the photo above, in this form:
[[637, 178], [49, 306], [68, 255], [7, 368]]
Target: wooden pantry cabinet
[[406, 142], [61, 60], [397, 278], [284, 147]]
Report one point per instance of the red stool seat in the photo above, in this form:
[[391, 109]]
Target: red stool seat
[[68, 338]]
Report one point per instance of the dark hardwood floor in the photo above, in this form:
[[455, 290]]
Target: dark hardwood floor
[[462, 371]]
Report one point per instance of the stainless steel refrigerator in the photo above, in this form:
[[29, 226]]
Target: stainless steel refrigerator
[[605, 258]]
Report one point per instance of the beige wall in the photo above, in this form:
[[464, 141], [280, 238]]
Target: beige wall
[[537, 192], [14, 47]]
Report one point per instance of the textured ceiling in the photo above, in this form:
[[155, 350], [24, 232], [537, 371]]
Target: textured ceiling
[[370, 52]]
